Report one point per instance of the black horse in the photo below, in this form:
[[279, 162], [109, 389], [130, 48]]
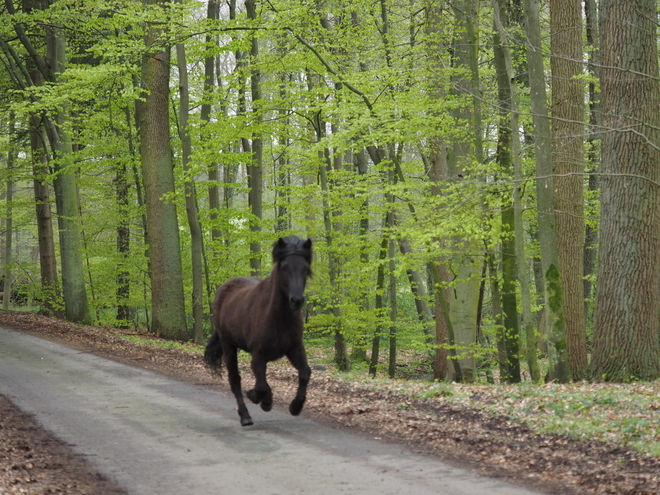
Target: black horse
[[264, 318]]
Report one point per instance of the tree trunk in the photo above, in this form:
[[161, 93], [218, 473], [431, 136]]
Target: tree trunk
[[123, 247], [9, 229], [255, 168], [196, 240], [593, 146], [212, 14], [380, 286], [626, 330], [509, 101], [49, 296], [167, 300], [66, 199], [507, 158], [559, 369], [465, 303], [391, 253], [568, 162]]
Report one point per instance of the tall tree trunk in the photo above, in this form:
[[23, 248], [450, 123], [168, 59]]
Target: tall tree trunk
[[626, 332], [212, 14], [66, 199], [255, 168], [505, 157], [167, 300], [568, 162], [341, 356], [196, 240], [593, 147], [9, 229], [380, 287], [123, 246], [438, 172], [559, 369], [465, 304], [391, 253], [50, 294], [509, 102]]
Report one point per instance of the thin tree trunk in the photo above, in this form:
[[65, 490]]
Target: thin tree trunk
[[212, 14], [509, 101], [380, 287], [123, 247], [255, 168], [509, 235], [391, 252], [9, 229], [593, 147], [559, 369], [500, 329], [196, 240]]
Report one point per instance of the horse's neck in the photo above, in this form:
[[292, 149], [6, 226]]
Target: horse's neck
[[271, 285]]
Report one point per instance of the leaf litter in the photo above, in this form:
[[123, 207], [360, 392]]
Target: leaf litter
[[576, 438]]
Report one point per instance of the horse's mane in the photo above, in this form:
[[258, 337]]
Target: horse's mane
[[287, 246]]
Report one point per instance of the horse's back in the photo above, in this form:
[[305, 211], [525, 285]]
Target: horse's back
[[232, 289]]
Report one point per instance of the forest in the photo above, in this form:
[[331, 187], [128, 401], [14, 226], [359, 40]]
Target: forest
[[479, 177]]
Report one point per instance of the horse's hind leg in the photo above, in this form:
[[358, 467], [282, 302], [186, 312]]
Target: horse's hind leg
[[261, 393], [231, 362], [298, 359]]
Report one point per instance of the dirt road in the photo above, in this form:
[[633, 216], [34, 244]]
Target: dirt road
[[151, 434]]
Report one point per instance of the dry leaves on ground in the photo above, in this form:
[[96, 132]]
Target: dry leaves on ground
[[453, 424]]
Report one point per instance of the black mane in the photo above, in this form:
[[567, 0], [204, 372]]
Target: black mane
[[287, 246]]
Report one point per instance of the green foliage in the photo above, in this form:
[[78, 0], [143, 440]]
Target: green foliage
[[337, 81]]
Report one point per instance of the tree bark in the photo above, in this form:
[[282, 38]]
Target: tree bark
[[66, 199], [593, 146], [167, 300], [568, 163], [559, 369], [49, 297], [196, 239], [508, 97], [9, 229], [255, 168], [212, 14], [465, 303], [626, 329]]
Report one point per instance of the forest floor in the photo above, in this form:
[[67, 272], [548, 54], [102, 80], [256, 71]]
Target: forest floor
[[33, 461]]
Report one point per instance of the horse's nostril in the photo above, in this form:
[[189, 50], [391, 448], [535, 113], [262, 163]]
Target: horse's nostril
[[296, 302]]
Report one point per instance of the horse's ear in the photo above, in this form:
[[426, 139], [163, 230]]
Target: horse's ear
[[308, 244], [279, 248]]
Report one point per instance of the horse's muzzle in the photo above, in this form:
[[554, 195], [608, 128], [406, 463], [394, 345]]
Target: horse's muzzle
[[296, 302]]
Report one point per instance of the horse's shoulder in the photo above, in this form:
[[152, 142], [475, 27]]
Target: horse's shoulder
[[238, 283]]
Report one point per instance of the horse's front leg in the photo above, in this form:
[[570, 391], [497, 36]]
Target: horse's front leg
[[261, 393], [298, 359], [231, 363]]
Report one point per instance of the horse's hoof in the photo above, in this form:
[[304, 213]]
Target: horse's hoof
[[266, 406], [296, 406], [247, 421], [252, 395]]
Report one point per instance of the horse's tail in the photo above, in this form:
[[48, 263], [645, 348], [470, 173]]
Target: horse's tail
[[213, 354]]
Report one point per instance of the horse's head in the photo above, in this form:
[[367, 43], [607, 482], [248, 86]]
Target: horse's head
[[293, 258]]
